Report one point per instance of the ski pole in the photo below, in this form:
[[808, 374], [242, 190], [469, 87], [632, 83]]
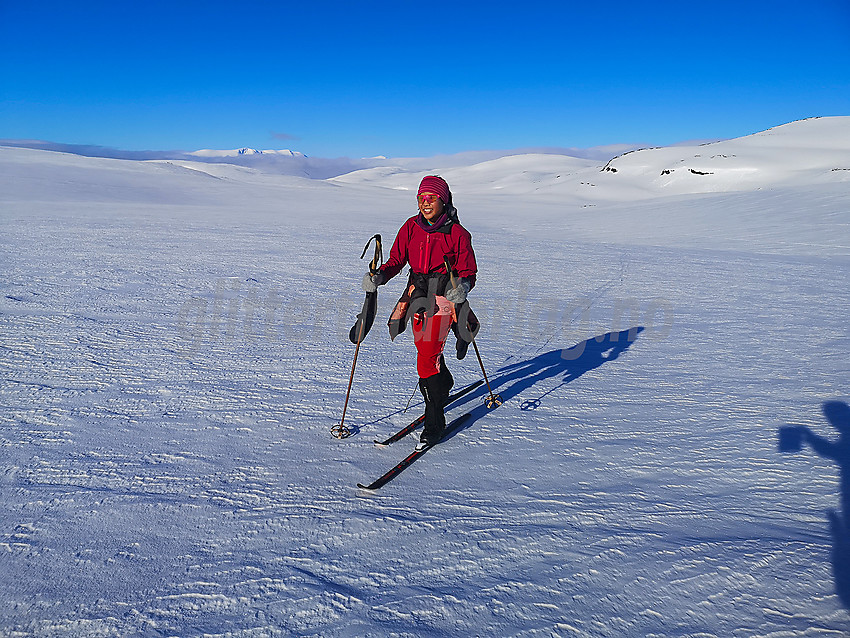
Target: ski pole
[[412, 394], [494, 400], [340, 430]]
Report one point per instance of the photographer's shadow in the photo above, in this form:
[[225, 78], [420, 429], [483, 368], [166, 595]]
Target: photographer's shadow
[[792, 439]]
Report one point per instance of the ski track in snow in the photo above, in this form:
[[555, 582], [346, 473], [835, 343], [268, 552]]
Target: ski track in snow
[[170, 371]]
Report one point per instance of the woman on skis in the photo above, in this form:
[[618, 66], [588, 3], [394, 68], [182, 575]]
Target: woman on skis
[[429, 300]]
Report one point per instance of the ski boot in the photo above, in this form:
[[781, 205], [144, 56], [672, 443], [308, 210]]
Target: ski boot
[[435, 389]]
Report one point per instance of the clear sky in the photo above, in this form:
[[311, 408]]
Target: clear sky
[[402, 78]]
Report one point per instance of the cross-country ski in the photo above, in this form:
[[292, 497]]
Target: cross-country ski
[[413, 456]]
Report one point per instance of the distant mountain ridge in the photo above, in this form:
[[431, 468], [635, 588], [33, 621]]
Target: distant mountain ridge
[[814, 150], [244, 151], [288, 162]]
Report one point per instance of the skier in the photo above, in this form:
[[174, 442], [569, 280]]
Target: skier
[[429, 300]]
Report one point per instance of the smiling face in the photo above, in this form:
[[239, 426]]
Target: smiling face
[[430, 205]]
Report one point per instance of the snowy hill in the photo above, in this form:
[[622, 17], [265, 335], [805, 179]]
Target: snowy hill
[[516, 174], [811, 151], [671, 458], [805, 152]]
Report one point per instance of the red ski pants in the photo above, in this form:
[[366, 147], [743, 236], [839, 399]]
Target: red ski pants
[[429, 335]]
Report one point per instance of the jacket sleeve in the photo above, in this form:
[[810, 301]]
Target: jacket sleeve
[[465, 265], [398, 253]]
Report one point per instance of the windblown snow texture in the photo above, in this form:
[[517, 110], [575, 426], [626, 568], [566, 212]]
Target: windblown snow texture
[[671, 458]]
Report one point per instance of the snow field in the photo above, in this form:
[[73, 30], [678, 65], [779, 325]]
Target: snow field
[[171, 365]]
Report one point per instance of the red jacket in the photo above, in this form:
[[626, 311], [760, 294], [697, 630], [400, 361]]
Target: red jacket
[[424, 251]]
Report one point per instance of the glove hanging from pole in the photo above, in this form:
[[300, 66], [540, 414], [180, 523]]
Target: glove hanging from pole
[[458, 294], [371, 282]]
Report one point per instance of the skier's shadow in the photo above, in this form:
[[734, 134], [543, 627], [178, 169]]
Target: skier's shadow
[[791, 439], [569, 363]]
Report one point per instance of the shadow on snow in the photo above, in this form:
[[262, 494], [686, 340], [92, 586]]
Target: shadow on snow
[[568, 363], [791, 439]]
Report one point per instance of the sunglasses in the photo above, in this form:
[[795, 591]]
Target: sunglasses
[[427, 198]]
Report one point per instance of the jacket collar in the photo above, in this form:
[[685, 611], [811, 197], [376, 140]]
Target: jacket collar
[[442, 225]]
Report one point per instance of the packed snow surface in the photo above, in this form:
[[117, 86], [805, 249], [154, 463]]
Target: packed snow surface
[[670, 339]]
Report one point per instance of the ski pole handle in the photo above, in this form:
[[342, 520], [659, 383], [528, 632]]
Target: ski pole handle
[[449, 270], [378, 258]]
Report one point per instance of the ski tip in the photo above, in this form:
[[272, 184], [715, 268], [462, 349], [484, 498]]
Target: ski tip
[[381, 443], [364, 487]]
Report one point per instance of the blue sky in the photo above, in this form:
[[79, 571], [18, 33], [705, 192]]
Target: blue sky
[[415, 78]]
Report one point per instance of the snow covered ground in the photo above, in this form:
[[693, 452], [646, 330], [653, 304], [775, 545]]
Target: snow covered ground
[[173, 353]]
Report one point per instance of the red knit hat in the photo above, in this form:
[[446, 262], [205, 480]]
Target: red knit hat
[[438, 186]]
